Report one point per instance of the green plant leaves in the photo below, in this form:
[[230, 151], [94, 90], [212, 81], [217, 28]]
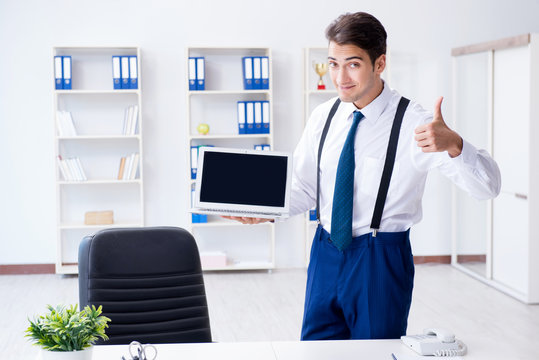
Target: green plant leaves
[[66, 329]]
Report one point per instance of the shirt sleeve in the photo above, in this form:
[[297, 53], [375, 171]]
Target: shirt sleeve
[[474, 171]]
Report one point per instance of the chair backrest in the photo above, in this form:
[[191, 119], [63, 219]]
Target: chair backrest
[[149, 282]]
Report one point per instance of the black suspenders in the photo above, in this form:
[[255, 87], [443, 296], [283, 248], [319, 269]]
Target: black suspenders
[[388, 165]]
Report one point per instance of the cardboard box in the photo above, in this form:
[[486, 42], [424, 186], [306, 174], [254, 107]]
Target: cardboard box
[[98, 217]]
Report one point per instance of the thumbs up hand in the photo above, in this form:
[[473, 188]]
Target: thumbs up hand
[[436, 136]]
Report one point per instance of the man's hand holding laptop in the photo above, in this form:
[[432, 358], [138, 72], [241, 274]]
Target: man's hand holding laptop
[[247, 220]]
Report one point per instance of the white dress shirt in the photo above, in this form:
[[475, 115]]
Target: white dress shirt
[[473, 170]]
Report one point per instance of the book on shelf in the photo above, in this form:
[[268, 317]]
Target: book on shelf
[[255, 72], [262, 147], [71, 169], [196, 71], [62, 72], [194, 159], [130, 126], [129, 166], [253, 117], [122, 168], [64, 124], [124, 72]]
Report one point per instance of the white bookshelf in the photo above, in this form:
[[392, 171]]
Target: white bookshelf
[[312, 97], [247, 247], [97, 110]]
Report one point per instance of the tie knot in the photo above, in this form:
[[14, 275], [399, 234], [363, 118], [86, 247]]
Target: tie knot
[[357, 116]]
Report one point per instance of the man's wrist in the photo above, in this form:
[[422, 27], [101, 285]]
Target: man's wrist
[[456, 150]]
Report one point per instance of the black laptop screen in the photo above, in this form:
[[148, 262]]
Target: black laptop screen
[[246, 179]]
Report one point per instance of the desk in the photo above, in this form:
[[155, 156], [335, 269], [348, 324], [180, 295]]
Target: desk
[[276, 350], [265, 350]]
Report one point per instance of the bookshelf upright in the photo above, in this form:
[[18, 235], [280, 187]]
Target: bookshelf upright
[[225, 244], [98, 113]]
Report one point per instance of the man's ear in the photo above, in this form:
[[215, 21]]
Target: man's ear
[[380, 64]]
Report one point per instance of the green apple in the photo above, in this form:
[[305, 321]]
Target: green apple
[[203, 129]]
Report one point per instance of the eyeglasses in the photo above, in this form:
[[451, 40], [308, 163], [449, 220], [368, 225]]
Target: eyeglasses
[[141, 351]]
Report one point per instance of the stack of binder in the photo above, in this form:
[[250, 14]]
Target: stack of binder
[[253, 117], [194, 160], [125, 72], [255, 72], [62, 72], [196, 218], [196, 73], [263, 147]]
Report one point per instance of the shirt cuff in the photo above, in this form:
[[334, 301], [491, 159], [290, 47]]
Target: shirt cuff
[[468, 155]]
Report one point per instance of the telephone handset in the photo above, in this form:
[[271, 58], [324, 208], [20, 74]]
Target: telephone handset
[[437, 342]]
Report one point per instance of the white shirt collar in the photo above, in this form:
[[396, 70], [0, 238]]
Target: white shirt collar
[[375, 108]]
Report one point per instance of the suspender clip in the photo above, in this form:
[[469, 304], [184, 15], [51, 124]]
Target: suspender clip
[[374, 231]]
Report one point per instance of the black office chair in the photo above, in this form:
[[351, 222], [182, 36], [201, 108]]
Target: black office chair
[[149, 282]]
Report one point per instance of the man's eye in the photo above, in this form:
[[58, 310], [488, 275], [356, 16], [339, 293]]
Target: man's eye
[[332, 65], [354, 65]]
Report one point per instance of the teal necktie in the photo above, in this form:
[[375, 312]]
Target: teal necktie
[[343, 197]]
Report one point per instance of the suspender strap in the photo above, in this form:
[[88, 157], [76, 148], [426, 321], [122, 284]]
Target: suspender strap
[[322, 139], [388, 166]]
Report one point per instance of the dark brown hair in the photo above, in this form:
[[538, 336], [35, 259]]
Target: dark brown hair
[[360, 29]]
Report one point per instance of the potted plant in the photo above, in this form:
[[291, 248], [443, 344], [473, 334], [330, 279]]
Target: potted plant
[[65, 333]]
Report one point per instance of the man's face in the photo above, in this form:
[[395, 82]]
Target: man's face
[[353, 74]]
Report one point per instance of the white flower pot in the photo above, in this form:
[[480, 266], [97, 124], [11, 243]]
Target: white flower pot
[[85, 354]]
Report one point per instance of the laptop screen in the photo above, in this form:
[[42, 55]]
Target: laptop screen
[[245, 179]]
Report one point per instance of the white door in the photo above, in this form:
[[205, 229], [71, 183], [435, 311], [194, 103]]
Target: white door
[[511, 151]]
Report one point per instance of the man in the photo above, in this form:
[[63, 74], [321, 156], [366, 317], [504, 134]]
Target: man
[[360, 277]]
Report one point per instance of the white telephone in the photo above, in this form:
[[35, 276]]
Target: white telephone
[[437, 342]]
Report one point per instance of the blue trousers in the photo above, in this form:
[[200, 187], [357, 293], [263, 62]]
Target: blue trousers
[[363, 292]]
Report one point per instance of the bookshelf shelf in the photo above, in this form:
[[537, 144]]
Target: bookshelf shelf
[[230, 136], [243, 266], [226, 92], [99, 137], [97, 227], [322, 92], [247, 247], [223, 223], [101, 182], [96, 92], [91, 128]]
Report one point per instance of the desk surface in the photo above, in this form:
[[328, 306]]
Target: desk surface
[[277, 350]]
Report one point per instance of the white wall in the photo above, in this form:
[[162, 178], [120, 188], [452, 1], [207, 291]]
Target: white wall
[[421, 34]]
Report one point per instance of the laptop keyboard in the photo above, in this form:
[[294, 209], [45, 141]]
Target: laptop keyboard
[[242, 212]]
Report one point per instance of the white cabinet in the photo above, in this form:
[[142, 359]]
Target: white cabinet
[[98, 113], [496, 91], [225, 244]]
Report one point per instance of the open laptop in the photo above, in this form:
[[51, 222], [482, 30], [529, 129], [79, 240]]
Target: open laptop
[[237, 182]]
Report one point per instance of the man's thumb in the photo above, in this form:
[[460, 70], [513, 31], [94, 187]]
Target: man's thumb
[[438, 110]]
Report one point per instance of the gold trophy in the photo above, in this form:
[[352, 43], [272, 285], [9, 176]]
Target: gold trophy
[[321, 69]]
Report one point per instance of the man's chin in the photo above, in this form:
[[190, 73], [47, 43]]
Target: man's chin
[[346, 98]]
